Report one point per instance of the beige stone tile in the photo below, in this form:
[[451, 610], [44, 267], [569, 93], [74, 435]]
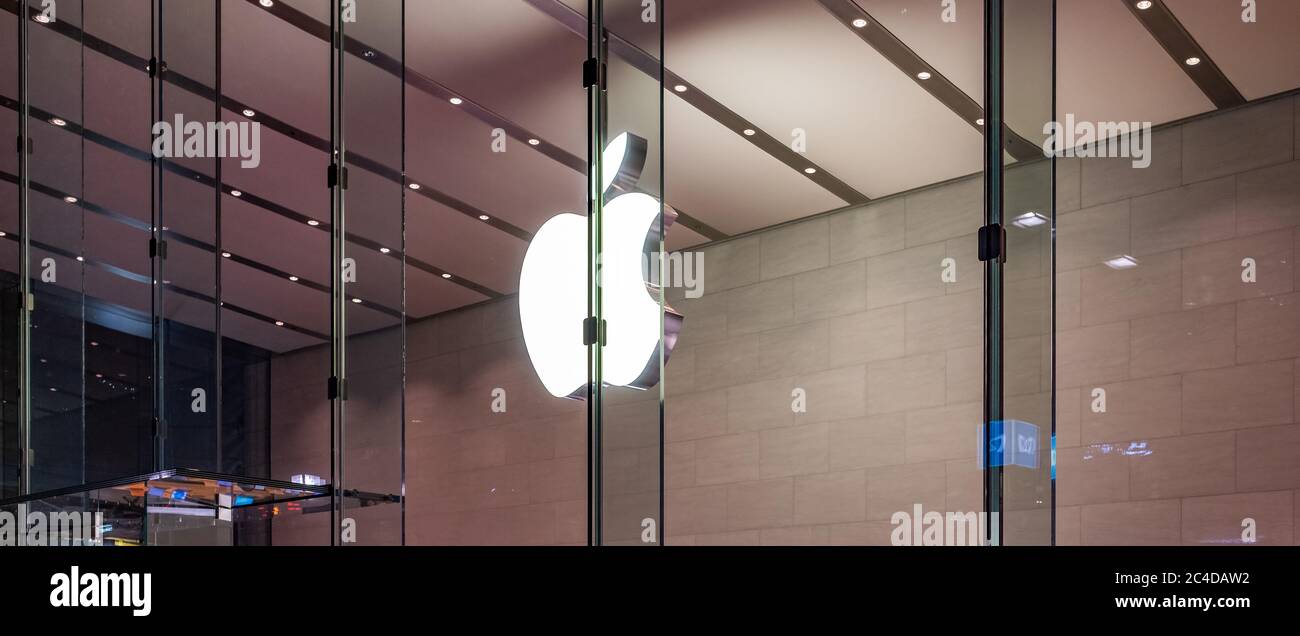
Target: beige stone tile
[[730, 264], [867, 336], [969, 271], [560, 479], [705, 318], [727, 459], [1135, 523], [1184, 341], [965, 374], [796, 536], [762, 306], [1068, 521], [760, 504], [695, 415], [1268, 199], [799, 348], [1238, 141], [944, 322], [1297, 386], [836, 394], [679, 371], [946, 432], [1091, 474], [695, 510], [893, 489], [1069, 417], [1111, 179], [1135, 410], [1266, 458], [901, 277], [1026, 366], [1218, 520], [1184, 466], [863, 533], [866, 442], [965, 485], [679, 465], [1069, 299], [1028, 187], [1092, 235], [1268, 328], [1069, 184], [1111, 295], [797, 450], [1092, 355], [831, 291], [906, 383], [760, 405], [1036, 409], [1190, 215], [1027, 307], [946, 211], [830, 497], [745, 538], [795, 248], [1028, 527], [1213, 273], [732, 361], [1239, 397], [869, 230]]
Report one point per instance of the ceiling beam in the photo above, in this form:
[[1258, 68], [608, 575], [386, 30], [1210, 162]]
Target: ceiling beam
[[1170, 33]]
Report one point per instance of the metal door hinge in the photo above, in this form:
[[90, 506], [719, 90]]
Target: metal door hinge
[[157, 248], [593, 74], [337, 388], [591, 333], [334, 176], [993, 243]]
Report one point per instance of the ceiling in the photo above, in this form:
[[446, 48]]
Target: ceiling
[[779, 67]]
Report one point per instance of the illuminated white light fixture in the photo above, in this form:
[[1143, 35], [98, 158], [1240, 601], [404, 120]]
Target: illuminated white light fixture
[[456, 101], [248, 112], [414, 186], [749, 132], [979, 122], [553, 286], [923, 75], [266, 3], [1028, 220], [534, 142], [1144, 4], [58, 121], [484, 217], [681, 88], [859, 23], [42, 18], [225, 255], [279, 323], [810, 170], [356, 300], [293, 279], [446, 275], [69, 199], [384, 250], [1192, 61], [313, 222], [81, 259], [236, 193], [1123, 261]]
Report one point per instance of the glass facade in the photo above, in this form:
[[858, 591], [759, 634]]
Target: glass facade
[[642, 272]]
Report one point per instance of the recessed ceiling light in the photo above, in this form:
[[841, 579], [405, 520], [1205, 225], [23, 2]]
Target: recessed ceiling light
[[456, 101], [810, 170], [414, 186], [69, 199], [279, 323], [42, 18], [58, 121], [356, 300], [484, 217], [369, 53], [1144, 4], [1192, 61], [225, 255], [534, 142], [236, 193], [81, 259], [859, 23], [681, 88], [94, 344], [979, 122], [293, 279], [384, 250], [248, 112], [4, 234], [313, 222], [923, 75], [1122, 261], [446, 275], [99, 375], [266, 3], [749, 132], [1028, 220]]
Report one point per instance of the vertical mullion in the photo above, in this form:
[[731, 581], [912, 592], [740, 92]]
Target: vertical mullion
[[993, 202], [24, 256], [595, 203], [337, 294]]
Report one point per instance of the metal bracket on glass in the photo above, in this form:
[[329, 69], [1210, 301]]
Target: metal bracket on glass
[[593, 74], [993, 243], [337, 388], [157, 248], [336, 176], [591, 334]]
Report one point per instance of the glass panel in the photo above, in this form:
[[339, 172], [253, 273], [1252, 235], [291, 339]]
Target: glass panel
[[1028, 428], [371, 470], [10, 289], [633, 222]]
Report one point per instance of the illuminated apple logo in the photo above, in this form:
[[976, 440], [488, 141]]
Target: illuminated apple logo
[[553, 286]]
